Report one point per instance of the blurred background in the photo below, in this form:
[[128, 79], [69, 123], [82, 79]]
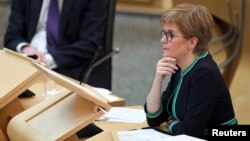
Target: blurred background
[[137, 35]]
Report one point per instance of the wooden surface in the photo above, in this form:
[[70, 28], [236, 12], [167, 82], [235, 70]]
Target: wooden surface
[[112, 127], [57, 117], [2, 136], [63, 119], [143, 6], [16, 74], [6, 114], [74, 87], [39, 90], [107, 135], [240, 87]]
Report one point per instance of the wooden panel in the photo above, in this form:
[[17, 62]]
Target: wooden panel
[[7, 113], [73, 86], [38, 89], [107, 135], [133, 1], [214, 7], [58, 118], [111, 128], [16, 75], [240, 88], [63, 117], [150, 7], [2, 137]]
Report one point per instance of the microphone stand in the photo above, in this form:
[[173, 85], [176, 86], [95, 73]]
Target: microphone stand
[[93, 65]]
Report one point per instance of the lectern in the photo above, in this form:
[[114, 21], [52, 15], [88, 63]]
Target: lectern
[[16, 75], [61, 117]]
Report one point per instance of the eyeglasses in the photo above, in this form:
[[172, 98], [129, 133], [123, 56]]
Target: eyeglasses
[[169, 35]]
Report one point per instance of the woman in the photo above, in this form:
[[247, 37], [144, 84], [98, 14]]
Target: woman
[[196, 96]]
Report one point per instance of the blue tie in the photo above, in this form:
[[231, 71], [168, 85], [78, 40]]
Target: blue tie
[[52, 25]]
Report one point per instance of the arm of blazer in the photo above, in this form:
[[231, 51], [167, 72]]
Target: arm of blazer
[[82, 28], [22, 22], [81, 31]]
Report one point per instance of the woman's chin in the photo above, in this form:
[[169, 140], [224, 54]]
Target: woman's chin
[[167, 54]]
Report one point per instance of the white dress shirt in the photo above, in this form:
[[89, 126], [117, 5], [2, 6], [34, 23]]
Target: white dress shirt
[[39, 39]]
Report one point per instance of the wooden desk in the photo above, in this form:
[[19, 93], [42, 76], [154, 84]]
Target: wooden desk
[[13, 84], [16, 75], [38, 89], [6, 113], [61, 116], [103, 136], [119, 126], [110, 128]]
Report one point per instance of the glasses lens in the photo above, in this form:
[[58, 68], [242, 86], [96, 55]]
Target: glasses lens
[[168, 35], [162, 33]]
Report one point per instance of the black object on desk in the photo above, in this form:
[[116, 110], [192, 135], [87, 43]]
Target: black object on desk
[[26, 94], [89, 131]]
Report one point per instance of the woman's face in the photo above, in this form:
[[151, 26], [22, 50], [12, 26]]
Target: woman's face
[[173, 42]]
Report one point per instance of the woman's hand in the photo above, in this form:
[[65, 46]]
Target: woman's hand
[[165, 66]]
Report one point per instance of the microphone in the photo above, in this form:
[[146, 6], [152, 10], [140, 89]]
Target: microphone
[[94, 64], [92, 129]]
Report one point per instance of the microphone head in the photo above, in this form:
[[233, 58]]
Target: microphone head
[[116, 50]]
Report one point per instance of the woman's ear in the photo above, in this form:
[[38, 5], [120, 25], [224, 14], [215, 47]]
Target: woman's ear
[[193, 42]]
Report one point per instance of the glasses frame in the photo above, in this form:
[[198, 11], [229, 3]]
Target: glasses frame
[[169, 35]]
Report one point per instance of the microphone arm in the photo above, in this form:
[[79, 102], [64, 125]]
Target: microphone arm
[[106, 57]]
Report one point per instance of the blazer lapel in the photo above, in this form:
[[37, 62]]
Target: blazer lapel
[[35, 9], [64, 16]]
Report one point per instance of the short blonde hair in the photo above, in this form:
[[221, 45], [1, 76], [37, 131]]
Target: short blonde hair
[[193, 21]]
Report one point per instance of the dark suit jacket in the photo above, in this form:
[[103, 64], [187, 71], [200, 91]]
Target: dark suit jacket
[[197, 98], [81, 31]]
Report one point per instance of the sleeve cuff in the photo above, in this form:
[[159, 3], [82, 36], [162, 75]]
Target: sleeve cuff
[[155, 114], [20, 46], [170, 127], [51, 62]]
